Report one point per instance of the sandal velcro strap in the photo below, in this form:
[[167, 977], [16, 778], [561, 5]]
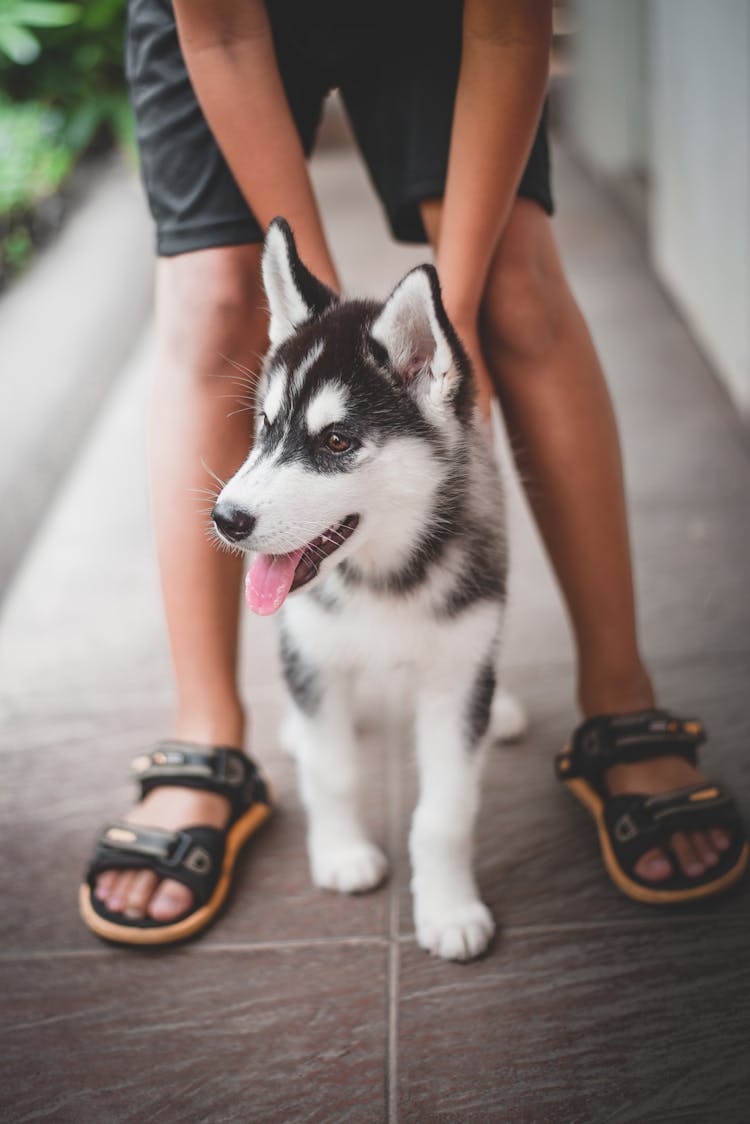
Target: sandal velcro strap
[[701, 807], [202, 858], [192, 856], [608, 740], [220, 769], [631, 824], [636, 824]]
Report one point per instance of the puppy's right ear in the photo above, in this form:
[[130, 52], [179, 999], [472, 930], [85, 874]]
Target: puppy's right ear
[[294, 295]]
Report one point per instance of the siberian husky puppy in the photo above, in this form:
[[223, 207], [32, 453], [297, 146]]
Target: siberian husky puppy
[[373, 507]]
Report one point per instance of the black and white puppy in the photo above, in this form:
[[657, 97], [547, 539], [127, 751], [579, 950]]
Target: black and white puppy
[[374, 509]]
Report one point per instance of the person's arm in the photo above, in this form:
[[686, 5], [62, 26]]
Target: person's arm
[[501, 88], [229, 53]]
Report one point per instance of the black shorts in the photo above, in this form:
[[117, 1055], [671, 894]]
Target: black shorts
[[395, 63]]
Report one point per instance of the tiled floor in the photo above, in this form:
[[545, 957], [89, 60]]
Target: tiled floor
[[299, 1006]]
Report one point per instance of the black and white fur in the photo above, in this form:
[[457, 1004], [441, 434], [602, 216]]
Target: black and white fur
[[421, 579]]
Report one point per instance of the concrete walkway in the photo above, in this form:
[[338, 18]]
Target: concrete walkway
[[299, 1006], [67, 326]]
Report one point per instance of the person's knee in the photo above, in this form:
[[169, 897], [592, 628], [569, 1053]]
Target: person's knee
[[210, 311], [522, 312]]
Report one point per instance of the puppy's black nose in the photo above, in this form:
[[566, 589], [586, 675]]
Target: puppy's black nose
[[232, 523]]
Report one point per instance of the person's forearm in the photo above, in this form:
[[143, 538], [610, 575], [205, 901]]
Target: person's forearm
[[502, 83], [229, 52]]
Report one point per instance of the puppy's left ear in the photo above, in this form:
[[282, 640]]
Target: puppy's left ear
[[294, 294], [420, 341]]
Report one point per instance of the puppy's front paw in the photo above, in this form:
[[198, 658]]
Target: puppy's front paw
[[459, 933], [350, 868]]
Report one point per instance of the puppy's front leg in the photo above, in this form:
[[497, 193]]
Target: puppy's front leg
[[341, 856], [450, 919]]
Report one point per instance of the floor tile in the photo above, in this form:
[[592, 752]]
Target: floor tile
[[597, 1028], [537, 857], [694, 598], [275, 898], [268, 1036], [63, 782], [677, 461]]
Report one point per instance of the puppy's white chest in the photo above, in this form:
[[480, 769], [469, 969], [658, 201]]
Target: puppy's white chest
[[363, 630], [376, 632]]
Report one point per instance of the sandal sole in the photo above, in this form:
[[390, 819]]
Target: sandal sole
[[586, 795], [237, 836]]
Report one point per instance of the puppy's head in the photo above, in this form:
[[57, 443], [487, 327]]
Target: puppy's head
[[359, 407]]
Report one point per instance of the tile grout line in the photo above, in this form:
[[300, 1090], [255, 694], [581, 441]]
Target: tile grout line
[[394, 965], [633, 926], [392, 943], [303, 943], [393, 789]]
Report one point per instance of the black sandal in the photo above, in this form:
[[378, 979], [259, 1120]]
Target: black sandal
[[629, 825], [202, 858]]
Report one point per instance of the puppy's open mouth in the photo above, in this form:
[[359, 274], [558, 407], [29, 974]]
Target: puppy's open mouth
[[273, 576]]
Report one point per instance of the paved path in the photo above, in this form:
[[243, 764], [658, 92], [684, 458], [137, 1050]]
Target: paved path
[[67, 326], [302, 1006]]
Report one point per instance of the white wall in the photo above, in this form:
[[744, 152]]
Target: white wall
[[700, 174], [608, 101], [663, 87]]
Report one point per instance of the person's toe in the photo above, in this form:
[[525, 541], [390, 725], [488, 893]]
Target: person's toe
[[140, 892], [119, 890], [687, 856], [104, 883], [654, 866], [170, 900], [705, 848], [720, 839]]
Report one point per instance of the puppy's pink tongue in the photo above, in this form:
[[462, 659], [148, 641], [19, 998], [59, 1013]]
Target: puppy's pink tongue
[[269, 579]]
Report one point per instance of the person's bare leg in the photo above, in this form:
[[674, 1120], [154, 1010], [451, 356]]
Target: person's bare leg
[[559, 417], [209, 306]]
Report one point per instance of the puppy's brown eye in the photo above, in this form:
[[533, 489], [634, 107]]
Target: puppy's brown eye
[[336, 443], [263, 422]]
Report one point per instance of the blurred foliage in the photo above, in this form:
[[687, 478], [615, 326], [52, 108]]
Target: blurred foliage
[[61, 73], [17, 20], [33, 154], [75, 64]]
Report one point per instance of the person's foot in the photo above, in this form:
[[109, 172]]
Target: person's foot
[[141, 893], [695, 851]]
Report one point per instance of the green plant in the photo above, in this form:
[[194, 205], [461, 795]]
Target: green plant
[[18, 248], [61, 74], [18, 42], [34, 156], [77, 69]]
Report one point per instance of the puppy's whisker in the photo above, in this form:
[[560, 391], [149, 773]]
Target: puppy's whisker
[[210, 471], [235, 398], [240, 366], [241, 380], [211, 492]]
